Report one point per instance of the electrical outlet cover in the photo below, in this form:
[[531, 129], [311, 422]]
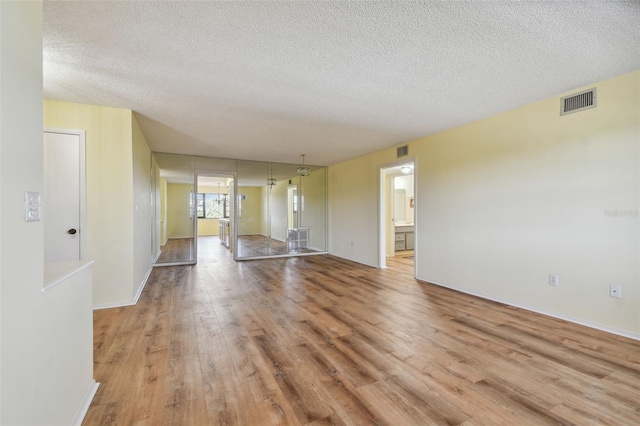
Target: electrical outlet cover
[[615, 291], [31, 206]]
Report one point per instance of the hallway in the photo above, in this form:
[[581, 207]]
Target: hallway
[[321, 340]]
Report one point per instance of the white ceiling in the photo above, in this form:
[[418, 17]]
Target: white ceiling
[[335, 80]]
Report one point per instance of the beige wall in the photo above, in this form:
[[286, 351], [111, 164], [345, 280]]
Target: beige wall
[[142, 208], [179, 222], [209, 226], [162, 187], [279, 211], [314, 189], [251, 214], [46, 343], [119, 210], [109, 159], [506, 201]]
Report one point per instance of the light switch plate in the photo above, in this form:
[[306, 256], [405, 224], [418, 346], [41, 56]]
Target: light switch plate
[[31, 206]]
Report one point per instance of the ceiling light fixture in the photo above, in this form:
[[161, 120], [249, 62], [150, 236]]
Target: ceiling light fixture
[[303, 170], [217, 200], [271, 181], [406, 169]]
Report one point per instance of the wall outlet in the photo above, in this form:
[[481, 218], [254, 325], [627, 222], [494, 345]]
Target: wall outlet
[[554, 279], [615, 291]]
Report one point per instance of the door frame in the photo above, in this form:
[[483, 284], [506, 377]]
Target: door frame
[[82, 208], [383, 201], [233, 237]]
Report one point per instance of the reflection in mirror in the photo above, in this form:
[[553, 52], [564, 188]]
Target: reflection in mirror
[[214, 207], [281, 210], [175, 212]]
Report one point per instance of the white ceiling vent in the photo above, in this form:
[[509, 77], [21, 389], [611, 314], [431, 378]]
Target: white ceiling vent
[[578, 102], [403, 151]]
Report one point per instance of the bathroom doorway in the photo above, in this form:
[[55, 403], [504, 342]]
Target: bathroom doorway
[[397, 213]]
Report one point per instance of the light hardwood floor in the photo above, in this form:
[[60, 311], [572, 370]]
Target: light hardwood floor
[[320, 340], [177, 250]]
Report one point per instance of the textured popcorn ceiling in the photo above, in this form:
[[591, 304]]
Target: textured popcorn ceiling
[[335, 80]]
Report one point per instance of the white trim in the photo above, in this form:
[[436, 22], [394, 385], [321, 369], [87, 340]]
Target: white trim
[[142, 285], [60, 271], [86, 403], [129, 303], [579, 321], [382, 219], [275, 256], [113, 305], [179, 238]]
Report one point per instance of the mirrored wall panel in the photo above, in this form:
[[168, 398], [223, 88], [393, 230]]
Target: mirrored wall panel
[[175, 213], [253, 209], [281, 211]]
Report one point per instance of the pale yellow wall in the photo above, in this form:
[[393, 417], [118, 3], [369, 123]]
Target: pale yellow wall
[[142, 208], [264, 207], [162, 187], [506, 201], [251, 214], [179, 221], [209, 226], [110, 203], [278, 206], [314, 190]]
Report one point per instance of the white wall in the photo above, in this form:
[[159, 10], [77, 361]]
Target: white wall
[[46, 337], [506, 201]]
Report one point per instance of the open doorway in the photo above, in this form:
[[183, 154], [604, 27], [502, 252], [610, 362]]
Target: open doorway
[[397, 213], [214, 209]]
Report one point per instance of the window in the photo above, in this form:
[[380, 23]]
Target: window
[[212, 206]]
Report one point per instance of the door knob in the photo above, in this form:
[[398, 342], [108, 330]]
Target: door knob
[[71, 231]]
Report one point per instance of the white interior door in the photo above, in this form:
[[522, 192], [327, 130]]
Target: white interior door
[[61, 201]]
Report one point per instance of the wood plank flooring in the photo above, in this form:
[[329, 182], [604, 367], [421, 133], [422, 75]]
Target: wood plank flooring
[[177, 250], [319, 340]]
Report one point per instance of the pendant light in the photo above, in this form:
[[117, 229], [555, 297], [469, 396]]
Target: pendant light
[[303, 170], [271, 181]]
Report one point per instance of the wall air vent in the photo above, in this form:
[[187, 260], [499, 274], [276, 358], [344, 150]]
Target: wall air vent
[[578, 102], [403, 151]]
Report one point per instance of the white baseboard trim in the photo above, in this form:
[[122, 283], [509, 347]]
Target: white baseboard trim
[[112, 305], [180, 238], [127, 303], [86, 403], [580, 321], [142, 284]]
